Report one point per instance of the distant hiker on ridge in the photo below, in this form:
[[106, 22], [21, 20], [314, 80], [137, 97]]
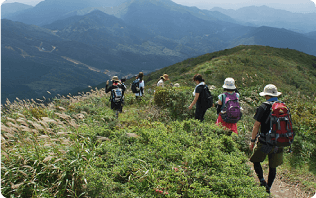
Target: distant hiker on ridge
[[202, 98], [228, 108], [117, 94], [138, 86], [161, 82]]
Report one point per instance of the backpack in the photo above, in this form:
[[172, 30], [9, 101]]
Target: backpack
[[231, 112], [117, 95], [281, 132], [207, 98], [135, 86]]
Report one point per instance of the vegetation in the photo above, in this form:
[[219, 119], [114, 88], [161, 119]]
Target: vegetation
[[74, 146]]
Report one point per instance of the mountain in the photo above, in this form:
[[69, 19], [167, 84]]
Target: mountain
[[36, 60], [8, 9], [49, 11], [311, 35], [266, 16], [250, 66], [280, 38]]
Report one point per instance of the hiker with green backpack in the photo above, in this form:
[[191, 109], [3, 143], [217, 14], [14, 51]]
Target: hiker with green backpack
[[273, 128], [117, 94], [202, 97], [228, 108]]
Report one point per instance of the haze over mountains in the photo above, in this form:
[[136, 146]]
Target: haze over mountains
[[64, 46]]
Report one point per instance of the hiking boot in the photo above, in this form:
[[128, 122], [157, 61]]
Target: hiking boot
[[263, 183]]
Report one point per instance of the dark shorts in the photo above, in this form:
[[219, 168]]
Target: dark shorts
[[199, 113], [275, 156]]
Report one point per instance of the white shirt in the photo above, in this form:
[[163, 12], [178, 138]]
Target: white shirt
[[160, 83], [141, 84], [201, 83]]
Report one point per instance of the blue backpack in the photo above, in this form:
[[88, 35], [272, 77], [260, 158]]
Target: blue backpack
[[117, 95]]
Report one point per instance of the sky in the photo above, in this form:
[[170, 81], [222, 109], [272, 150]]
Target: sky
[[290, 5]]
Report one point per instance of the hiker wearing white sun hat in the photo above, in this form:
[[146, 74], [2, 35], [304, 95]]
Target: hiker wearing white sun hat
[[228, 102], [270, 90], [229, 83], [262, 149]]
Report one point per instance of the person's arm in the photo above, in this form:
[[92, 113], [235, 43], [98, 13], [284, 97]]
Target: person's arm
[[195, 100], [107, 88], [255, 131]]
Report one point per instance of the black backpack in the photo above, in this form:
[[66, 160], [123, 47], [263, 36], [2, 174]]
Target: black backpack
[[207, 98], [135, 86], [117, 95]]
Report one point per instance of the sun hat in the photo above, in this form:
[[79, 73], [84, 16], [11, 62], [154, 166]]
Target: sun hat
[[166, 76], [270, 90], [115, 78], [229, 83]]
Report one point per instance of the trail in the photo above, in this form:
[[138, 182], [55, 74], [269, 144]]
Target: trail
[[281, 188]]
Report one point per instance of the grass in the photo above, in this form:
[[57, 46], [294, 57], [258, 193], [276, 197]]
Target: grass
[[75, 147]]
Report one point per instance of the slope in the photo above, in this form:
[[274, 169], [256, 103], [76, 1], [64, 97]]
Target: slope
[[249, 66]]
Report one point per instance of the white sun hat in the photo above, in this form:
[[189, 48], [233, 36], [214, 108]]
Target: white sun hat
[[229, 83], [270, 90]]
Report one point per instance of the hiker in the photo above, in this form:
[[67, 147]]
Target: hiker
[[163, 78], [117, 94], [200, 109], [226, 116], [141, 86], [260, 152]]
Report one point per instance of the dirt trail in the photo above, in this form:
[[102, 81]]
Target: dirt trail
[[281, 188]]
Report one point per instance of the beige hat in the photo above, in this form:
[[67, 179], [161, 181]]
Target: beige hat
[[229, 83], [166, 76], [115, 78], [270, 90]]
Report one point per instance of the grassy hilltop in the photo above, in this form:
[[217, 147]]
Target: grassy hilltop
[[74, 146]]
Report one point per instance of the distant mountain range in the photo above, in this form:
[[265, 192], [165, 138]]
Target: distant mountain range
[[266, 16], [64, 46], [11, 9]]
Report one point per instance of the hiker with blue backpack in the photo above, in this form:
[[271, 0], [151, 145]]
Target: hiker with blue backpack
[[202, 97], [273, 128], [228, 108], [117, 94]]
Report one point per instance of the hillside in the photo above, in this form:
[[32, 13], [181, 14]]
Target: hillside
[[75, 146], [288, 69]]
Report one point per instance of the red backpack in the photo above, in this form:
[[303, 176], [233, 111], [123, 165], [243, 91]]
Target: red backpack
[[281, 132]]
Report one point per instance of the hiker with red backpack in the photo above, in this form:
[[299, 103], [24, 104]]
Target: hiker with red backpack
[[228, 108], [117, 94], [274, 121]]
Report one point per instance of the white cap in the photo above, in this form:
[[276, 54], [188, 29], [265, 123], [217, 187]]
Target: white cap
[[270, 90], [229, 83]]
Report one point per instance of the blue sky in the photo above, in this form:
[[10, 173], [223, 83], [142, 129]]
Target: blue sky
[[290, 5]]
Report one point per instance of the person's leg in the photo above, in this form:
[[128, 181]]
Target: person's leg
[[258, 169], [257, 157], [271, 177], [199, 113]]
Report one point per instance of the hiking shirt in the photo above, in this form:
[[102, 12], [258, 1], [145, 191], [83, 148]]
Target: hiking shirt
[[141, 87], [262, 115], [222, 97], [160, 83], [199, 89]]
